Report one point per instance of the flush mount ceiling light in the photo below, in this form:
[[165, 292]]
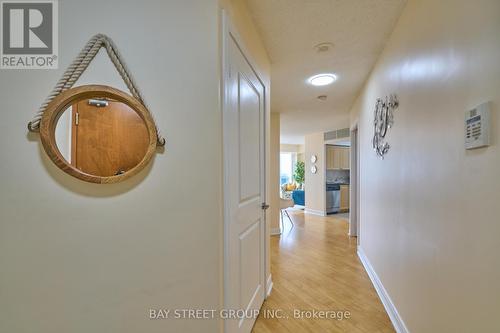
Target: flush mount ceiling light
[[322, 79]]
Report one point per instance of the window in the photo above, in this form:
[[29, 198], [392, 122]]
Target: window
[[287, 162]]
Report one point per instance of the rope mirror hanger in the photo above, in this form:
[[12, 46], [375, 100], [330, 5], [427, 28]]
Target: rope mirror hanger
[[76, 69]]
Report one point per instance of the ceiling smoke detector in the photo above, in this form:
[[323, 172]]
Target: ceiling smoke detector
[[323, 47], [322, 97]]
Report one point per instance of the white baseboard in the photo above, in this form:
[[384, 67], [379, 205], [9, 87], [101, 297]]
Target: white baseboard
[[269, 285], [314, 212], [393, 313], [275, 231]]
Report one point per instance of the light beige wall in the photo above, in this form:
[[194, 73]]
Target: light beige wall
[[289, 148], [315, 183], [274, 194], [63, 134], [243, 23], [300, 153], [79, 257], [292, 148], [429, 211]]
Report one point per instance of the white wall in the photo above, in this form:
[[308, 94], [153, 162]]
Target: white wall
[[429, 211], [63, 133], [315, 183], [78, 257]]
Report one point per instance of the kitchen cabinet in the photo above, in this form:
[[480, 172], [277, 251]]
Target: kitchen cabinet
[[338, 158], [329, 157], [345, 160], [344, 198]]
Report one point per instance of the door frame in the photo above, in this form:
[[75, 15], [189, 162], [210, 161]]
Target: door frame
[[354, 218], [228, 31]]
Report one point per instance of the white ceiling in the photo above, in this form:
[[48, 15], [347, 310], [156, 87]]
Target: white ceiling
[[291, 28]]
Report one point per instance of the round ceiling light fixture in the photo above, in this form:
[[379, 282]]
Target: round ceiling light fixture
[[322, 79]]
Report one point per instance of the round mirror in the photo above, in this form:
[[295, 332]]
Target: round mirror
[[98, 134]]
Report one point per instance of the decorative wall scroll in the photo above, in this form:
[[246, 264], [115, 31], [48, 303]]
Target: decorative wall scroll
[[383, 120]]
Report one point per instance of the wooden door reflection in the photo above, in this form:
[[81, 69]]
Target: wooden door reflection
[[107, 140]]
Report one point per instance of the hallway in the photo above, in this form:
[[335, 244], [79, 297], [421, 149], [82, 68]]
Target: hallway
[[315, 267]]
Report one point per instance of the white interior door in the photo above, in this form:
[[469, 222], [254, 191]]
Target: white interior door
[[244, 174]]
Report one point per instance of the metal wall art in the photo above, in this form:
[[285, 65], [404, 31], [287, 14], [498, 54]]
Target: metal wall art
[[383, 120]]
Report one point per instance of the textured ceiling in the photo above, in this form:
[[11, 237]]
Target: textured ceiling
[[291, 28]]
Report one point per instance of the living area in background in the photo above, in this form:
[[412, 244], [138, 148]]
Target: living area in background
[[292, 167]]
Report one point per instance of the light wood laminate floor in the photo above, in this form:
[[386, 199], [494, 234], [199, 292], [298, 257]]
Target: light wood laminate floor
[[314, 266]]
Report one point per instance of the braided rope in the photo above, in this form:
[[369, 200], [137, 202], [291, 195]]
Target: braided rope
[[79, 65]]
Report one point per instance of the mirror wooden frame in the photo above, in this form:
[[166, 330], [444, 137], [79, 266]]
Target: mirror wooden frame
[[67, 98]]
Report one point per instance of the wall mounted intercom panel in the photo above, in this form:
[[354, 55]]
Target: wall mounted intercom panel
[[477, 127]]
